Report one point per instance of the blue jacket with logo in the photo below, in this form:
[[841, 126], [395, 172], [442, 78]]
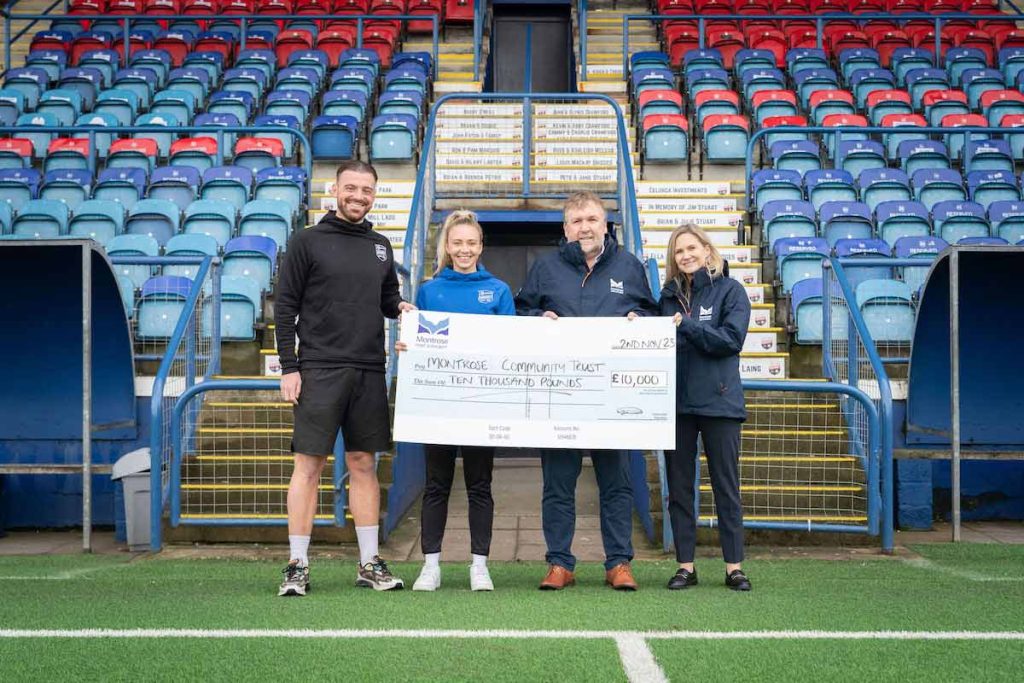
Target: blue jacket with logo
[[560, 282], [478, 292], [708, 345]]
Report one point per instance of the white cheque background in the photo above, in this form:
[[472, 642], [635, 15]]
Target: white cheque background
[[481, 380]]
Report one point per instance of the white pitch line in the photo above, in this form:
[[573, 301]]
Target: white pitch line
[[510, 634], [967, 574], [638, 661], [63, 576]]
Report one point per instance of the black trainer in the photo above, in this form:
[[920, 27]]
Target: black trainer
[[296, 580], [737, 580], [683, 578]]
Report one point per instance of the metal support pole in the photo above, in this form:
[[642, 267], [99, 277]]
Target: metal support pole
[[954, 369], [527, 137], [86, 398]]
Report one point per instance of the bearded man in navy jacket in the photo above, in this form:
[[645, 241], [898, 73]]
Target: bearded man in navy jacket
[[588, 276]]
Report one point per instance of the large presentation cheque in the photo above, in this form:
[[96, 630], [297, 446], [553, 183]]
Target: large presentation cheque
[[482, 380]]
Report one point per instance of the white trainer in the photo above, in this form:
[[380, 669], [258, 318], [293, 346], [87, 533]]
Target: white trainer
[[480, 578], [428, 580]]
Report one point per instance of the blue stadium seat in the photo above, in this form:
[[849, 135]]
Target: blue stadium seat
[[287, 184], [856, 156], [370, 59], [40, 141], [896, 219], [829, 186], [408, 102], [133, 153], [905, 59], [919, 81], [98, 121], [123, 185], [126, 288], [849, 220], [809, 81], [157, 218], [985, 187], [232, 184], [703, 58], [915, 155], [158, 61], [808, 313], [879, 185], [225, 140], [253, 257], [316, 60], [181, 104], [240, 309], [954, 220], [133, 245], [772, 184], [12, 105], [924, 248], [213, 217], [18, 186], [869, 248], [252, 82], [161, 304], [210, 62], [188, 245], [65, 104], [41, 218], [1007, 220], [101, 63], [354, 78], [784, 218], [747, 59], [31, 82], [937, 185], [888, 310], [805, 58], [856, 59], [405, 78], [157, 121], [142, 82], [194, 81], [72, 187], [264, 61], [976, 82], [959, 59], [294, 103], [983, 241], [757, 80], [50, 61], [333, 137], [863, 82], [394, 137], [179, 184], [796, 155], [121, 103], [300, 79], [237, 103], [799, 258], [6, 218], [648, 59], [271, 218], [988, 155], [99, 219]]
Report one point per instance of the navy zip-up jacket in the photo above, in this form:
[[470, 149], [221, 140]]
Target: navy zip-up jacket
[[708, 345], [561, 283], [478, 292]]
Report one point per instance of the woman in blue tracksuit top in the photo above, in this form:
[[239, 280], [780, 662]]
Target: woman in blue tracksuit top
[[712, 313], [461, 285]]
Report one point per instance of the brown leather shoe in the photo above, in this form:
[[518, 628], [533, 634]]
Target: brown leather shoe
[[558, 578], [620, 577]]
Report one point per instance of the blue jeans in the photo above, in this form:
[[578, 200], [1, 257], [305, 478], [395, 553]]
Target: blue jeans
[[561, 470]]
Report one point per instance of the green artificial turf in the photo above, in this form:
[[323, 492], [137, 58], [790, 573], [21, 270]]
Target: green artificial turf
[[926, 594]]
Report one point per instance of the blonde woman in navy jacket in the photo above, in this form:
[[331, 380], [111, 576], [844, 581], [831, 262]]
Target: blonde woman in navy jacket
[[460, 285], [712, 313]]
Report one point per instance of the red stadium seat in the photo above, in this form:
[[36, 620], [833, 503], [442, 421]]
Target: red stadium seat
[[74, 145], [426, 8], [83, 44], [728, 43], [458, 12], [292, 40], [21, 147], [146, 146], [214, 44], [334, 42], [205, 145], [675, 120]]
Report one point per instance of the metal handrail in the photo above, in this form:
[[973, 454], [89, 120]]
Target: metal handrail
[[859, 328], [211, 131], [157, 494], [340, 473], [819, 21], [243, 19]]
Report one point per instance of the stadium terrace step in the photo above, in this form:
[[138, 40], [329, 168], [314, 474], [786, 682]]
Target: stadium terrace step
[[764, 365], [687, 204], [704, 219], [720, 235], [684, 189]]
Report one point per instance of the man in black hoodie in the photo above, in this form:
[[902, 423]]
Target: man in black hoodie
[[588, 276], [338, 280]]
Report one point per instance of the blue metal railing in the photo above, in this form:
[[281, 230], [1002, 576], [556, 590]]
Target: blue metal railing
[[819, 21], [479, 12], [860, 341], [186, 402], [184, 331], [216, 132], [426, 178], [243, 19]]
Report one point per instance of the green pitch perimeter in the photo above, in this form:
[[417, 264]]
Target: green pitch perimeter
[[978, 589]]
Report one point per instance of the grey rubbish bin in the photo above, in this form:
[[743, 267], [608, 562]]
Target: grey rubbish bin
[[132, 469]]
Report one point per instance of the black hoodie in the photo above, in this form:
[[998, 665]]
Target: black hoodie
[[708, 345], [339, 279]]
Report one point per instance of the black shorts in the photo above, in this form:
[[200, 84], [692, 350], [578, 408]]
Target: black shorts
[[355, 401]]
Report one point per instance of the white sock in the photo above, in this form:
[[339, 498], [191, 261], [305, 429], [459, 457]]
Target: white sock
[[367, 537], [479, 560], [299, 549], [432, 560]]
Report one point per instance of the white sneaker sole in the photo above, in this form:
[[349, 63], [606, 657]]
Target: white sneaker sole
[[286, 591], [425, 587], [487, 587], [365, 583]]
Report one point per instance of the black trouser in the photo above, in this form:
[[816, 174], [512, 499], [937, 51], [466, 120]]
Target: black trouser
[[477, 466], [721, 438]]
